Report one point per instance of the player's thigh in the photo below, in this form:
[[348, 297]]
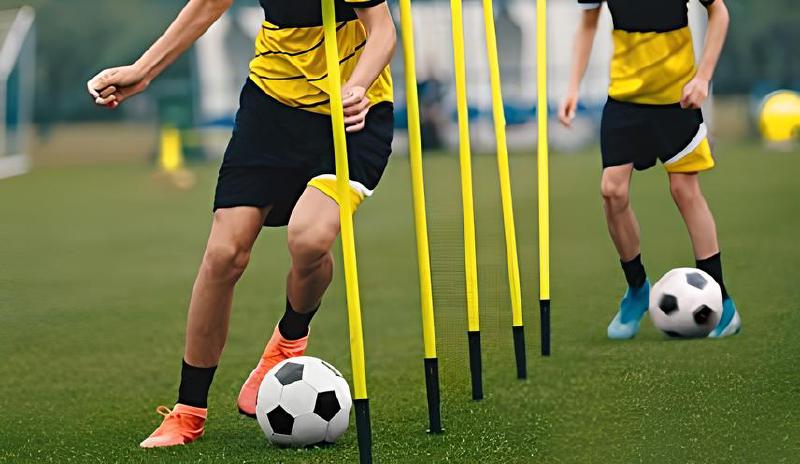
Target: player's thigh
[[314, 220], [236, 228], [616, 181]]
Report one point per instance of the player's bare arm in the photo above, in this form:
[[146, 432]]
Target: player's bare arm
[[112, 86], [378, 52], [696, 91], [584, 40]]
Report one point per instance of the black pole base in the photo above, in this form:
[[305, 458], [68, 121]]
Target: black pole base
[[364, 430], [434, 401], [519, 351], [544, 316], [475, 367]]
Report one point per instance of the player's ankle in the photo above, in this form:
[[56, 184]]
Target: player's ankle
[[295, 325], [195, 383], [634, 271]]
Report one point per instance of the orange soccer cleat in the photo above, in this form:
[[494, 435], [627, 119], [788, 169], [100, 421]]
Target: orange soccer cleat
[[278, 349], [180, 426]]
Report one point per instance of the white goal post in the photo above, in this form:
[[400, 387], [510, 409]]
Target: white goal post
[[17, 80]]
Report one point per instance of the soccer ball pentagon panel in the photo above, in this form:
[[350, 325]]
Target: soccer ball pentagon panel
[[303, 401], [686, 302]]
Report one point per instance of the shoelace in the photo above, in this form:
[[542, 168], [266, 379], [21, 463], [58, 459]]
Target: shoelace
[[167, 412]]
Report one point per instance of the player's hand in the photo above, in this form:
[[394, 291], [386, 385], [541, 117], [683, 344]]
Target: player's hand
[[566, 111], [694, 94], [356, 107], [113, 86]]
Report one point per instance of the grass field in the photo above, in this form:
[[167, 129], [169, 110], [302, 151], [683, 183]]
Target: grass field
[[96, 265]]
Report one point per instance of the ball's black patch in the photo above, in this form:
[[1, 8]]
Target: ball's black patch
[[289, 373], [668, 304], [673, 334], [333, 369], [280, 421], [327, 405], [696, 280], [702, 315]]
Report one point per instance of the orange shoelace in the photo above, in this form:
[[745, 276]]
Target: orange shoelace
[[174, 420]]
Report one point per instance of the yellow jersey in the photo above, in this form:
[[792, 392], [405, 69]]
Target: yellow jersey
[[653, 49], [289, 63]]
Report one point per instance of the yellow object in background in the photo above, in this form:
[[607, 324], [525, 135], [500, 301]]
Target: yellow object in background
[[779, 119], [170, 158], [171, 164]]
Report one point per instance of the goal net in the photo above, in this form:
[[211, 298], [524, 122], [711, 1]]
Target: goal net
[[17, 79]]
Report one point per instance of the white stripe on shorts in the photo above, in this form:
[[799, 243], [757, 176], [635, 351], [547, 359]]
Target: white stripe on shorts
[[702, 132]]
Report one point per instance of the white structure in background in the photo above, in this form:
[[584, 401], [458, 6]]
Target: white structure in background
[[223, 56], [17, 80]]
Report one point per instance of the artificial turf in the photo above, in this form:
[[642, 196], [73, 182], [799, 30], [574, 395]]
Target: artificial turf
[[96, 266]]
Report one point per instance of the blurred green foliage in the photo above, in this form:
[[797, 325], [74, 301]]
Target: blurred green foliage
[[762, 52], [77, 38]]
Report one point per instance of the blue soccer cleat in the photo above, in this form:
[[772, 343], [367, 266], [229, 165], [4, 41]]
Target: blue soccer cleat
[[730, 323], [631, 309]]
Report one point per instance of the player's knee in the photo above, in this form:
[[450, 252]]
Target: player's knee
[[614, 191], [684, 189], [311, 243], [226, 261]]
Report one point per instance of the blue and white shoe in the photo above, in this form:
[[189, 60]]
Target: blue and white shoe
[[730, 323], [634, 304]]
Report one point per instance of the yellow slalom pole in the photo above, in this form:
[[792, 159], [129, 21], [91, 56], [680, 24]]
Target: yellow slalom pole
[[512, 260], [420, 221], [361, 403], [543, 169], [470, 254]]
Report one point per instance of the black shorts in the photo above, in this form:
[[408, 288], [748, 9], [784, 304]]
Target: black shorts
[[276, 150], [642, 134]]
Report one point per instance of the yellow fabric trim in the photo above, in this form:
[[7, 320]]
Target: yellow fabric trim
[[651, 67], [698, 160], [328, 187]]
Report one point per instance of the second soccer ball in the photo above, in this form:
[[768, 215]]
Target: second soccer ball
[[686, 302]]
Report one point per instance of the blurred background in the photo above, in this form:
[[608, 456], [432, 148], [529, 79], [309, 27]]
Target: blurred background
[[51, 47]]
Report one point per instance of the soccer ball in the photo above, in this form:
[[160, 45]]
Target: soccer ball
[[686, 302], [303, 401]]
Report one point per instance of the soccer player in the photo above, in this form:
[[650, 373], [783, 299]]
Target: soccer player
[[653, 113], [278, 170]]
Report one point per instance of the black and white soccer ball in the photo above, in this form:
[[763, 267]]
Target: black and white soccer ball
[[303, 401], [686, 302]]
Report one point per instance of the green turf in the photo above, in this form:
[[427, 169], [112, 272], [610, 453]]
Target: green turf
[[96, 265]]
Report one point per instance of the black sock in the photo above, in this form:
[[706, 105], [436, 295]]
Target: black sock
[[713, 267], [634, 272], [195, 382], [294, 325]]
